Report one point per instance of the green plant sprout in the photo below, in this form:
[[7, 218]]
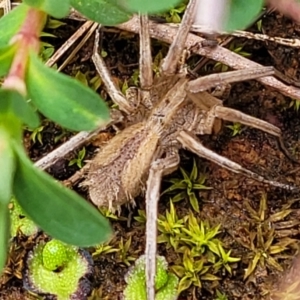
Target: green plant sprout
[[124, 87], [60, 270], [170, 227], [94, 83], [103, 249], [259, 25], [220, 296], [123, 252], [265, 248], [236, 128], [19, 221], [135, 78], [165, 282], [79, 159], [174, 14], [36, 134], [200, 236], [225, 259], [188, 185], [141, 217], [203, 253], [193, 238], [156, 63], [54, 23], [82, 78], [111, 215], [46, 51], [192, 272], [295, 104]]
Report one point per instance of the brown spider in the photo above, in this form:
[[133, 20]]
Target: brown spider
[[167, 115]]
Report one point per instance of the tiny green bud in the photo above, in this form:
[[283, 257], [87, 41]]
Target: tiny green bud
[[54, 255]]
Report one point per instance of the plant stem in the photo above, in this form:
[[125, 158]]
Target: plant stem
[[26, 40]]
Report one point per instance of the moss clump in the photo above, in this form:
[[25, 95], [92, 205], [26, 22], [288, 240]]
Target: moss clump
[[58, 270]]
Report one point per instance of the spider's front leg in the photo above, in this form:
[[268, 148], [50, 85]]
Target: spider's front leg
[[112, 89], [158, 169]]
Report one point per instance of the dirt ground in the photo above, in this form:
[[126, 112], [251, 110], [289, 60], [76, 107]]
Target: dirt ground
[[253, 216]]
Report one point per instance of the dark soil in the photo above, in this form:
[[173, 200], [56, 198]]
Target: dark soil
[[233, 198]]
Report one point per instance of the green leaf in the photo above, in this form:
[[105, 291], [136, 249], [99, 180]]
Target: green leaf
[[6, 57], [178, 197], [153, 6], [13, 102], [242, 13], [11, 23], [7, 162], [57, 210], [252, 265], [198, 186], [210, 277], [55, 8], [194, 173], [194, 202], [101, 11], [185, 175], [4, 234], [184, 284], [63, 99], [179, 185]]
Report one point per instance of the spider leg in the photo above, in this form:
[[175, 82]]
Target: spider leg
[[158, 168], [206, 82], [112, 89], [169, 65], [145, 63], [194, 145], [233, 115]]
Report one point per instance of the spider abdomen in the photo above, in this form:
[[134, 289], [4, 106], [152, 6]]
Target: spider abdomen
[[118, 172]]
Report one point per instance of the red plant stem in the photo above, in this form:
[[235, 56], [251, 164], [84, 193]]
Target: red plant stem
[[26, 40]]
